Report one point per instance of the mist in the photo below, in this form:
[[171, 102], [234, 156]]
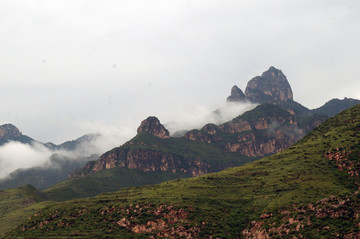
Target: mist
[[15, 155], [102, 138], [196, 118]]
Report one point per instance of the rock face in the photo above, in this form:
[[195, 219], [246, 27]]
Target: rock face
[[9, 131], [153, 126], [271, 87], [139, 155], [265, 130], [236, 95], [146, 161]]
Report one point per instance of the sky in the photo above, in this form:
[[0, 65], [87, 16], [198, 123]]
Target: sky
[[68, 68]]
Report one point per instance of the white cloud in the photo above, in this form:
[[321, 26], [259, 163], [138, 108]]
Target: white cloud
[[197, 116], [14, 155]]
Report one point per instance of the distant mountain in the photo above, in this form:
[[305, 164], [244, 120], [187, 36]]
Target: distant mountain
[[56, 169], [274, 125], [335, 106], [9, 132], [153, 150], [273, 87], [309, 190], [265, 130]]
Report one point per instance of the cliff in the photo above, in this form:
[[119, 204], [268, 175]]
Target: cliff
[[148, 152], [152, 125], [271, 87], [265, 130]]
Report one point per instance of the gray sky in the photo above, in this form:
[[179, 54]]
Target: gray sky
[[71, 67]]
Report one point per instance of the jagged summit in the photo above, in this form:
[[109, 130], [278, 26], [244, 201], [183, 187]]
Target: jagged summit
[[9, 131], [236, 95], [271, 87], [153, 126]]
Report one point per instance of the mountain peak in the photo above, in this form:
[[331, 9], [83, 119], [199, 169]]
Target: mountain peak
[[9, 131], [236, 95], [271, 87], [152, 125]]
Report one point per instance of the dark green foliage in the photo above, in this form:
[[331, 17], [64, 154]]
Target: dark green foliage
[[44, 177], [264, 110], [106, 181], [17, 204], [269, 191], [223, 204], [335, 106]]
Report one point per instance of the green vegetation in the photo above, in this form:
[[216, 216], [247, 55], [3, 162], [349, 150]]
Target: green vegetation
[[264, 110], [224, 204], [18, 204], [106, 181]]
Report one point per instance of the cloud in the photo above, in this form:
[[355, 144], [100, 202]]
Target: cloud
[[14, 155], [198, 116]]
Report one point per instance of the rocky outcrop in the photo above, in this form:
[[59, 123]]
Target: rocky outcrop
[[146, 161], [8, 132], [139, 155], [236, 95], [265, 130], [153, 126], [271, 87]]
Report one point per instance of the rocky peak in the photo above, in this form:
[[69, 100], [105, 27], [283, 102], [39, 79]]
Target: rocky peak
[[9, 131], [236, 95], [153, 126], [271, 87]]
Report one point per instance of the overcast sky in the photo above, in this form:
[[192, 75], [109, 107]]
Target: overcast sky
[[68, 67]]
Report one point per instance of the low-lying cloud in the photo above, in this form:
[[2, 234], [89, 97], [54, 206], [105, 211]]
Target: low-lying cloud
[[16, 155], [196, 119]]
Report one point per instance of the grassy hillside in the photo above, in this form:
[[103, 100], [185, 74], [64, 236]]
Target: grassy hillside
[[309, 189], [106, 181], [117, 178], [17, 204]]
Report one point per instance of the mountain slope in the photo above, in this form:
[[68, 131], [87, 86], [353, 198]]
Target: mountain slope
[[66, 158], [57, 169], [319, 174], [335, 106], [17, 204], [152, 150]]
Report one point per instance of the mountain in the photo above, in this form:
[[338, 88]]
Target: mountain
[[274, 88], [56, 170], [272, 126], [271, 87], [66, 158], [9, 132], [236, 95], [265, 130], [309, 190], [335, 106], [153, 150]]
